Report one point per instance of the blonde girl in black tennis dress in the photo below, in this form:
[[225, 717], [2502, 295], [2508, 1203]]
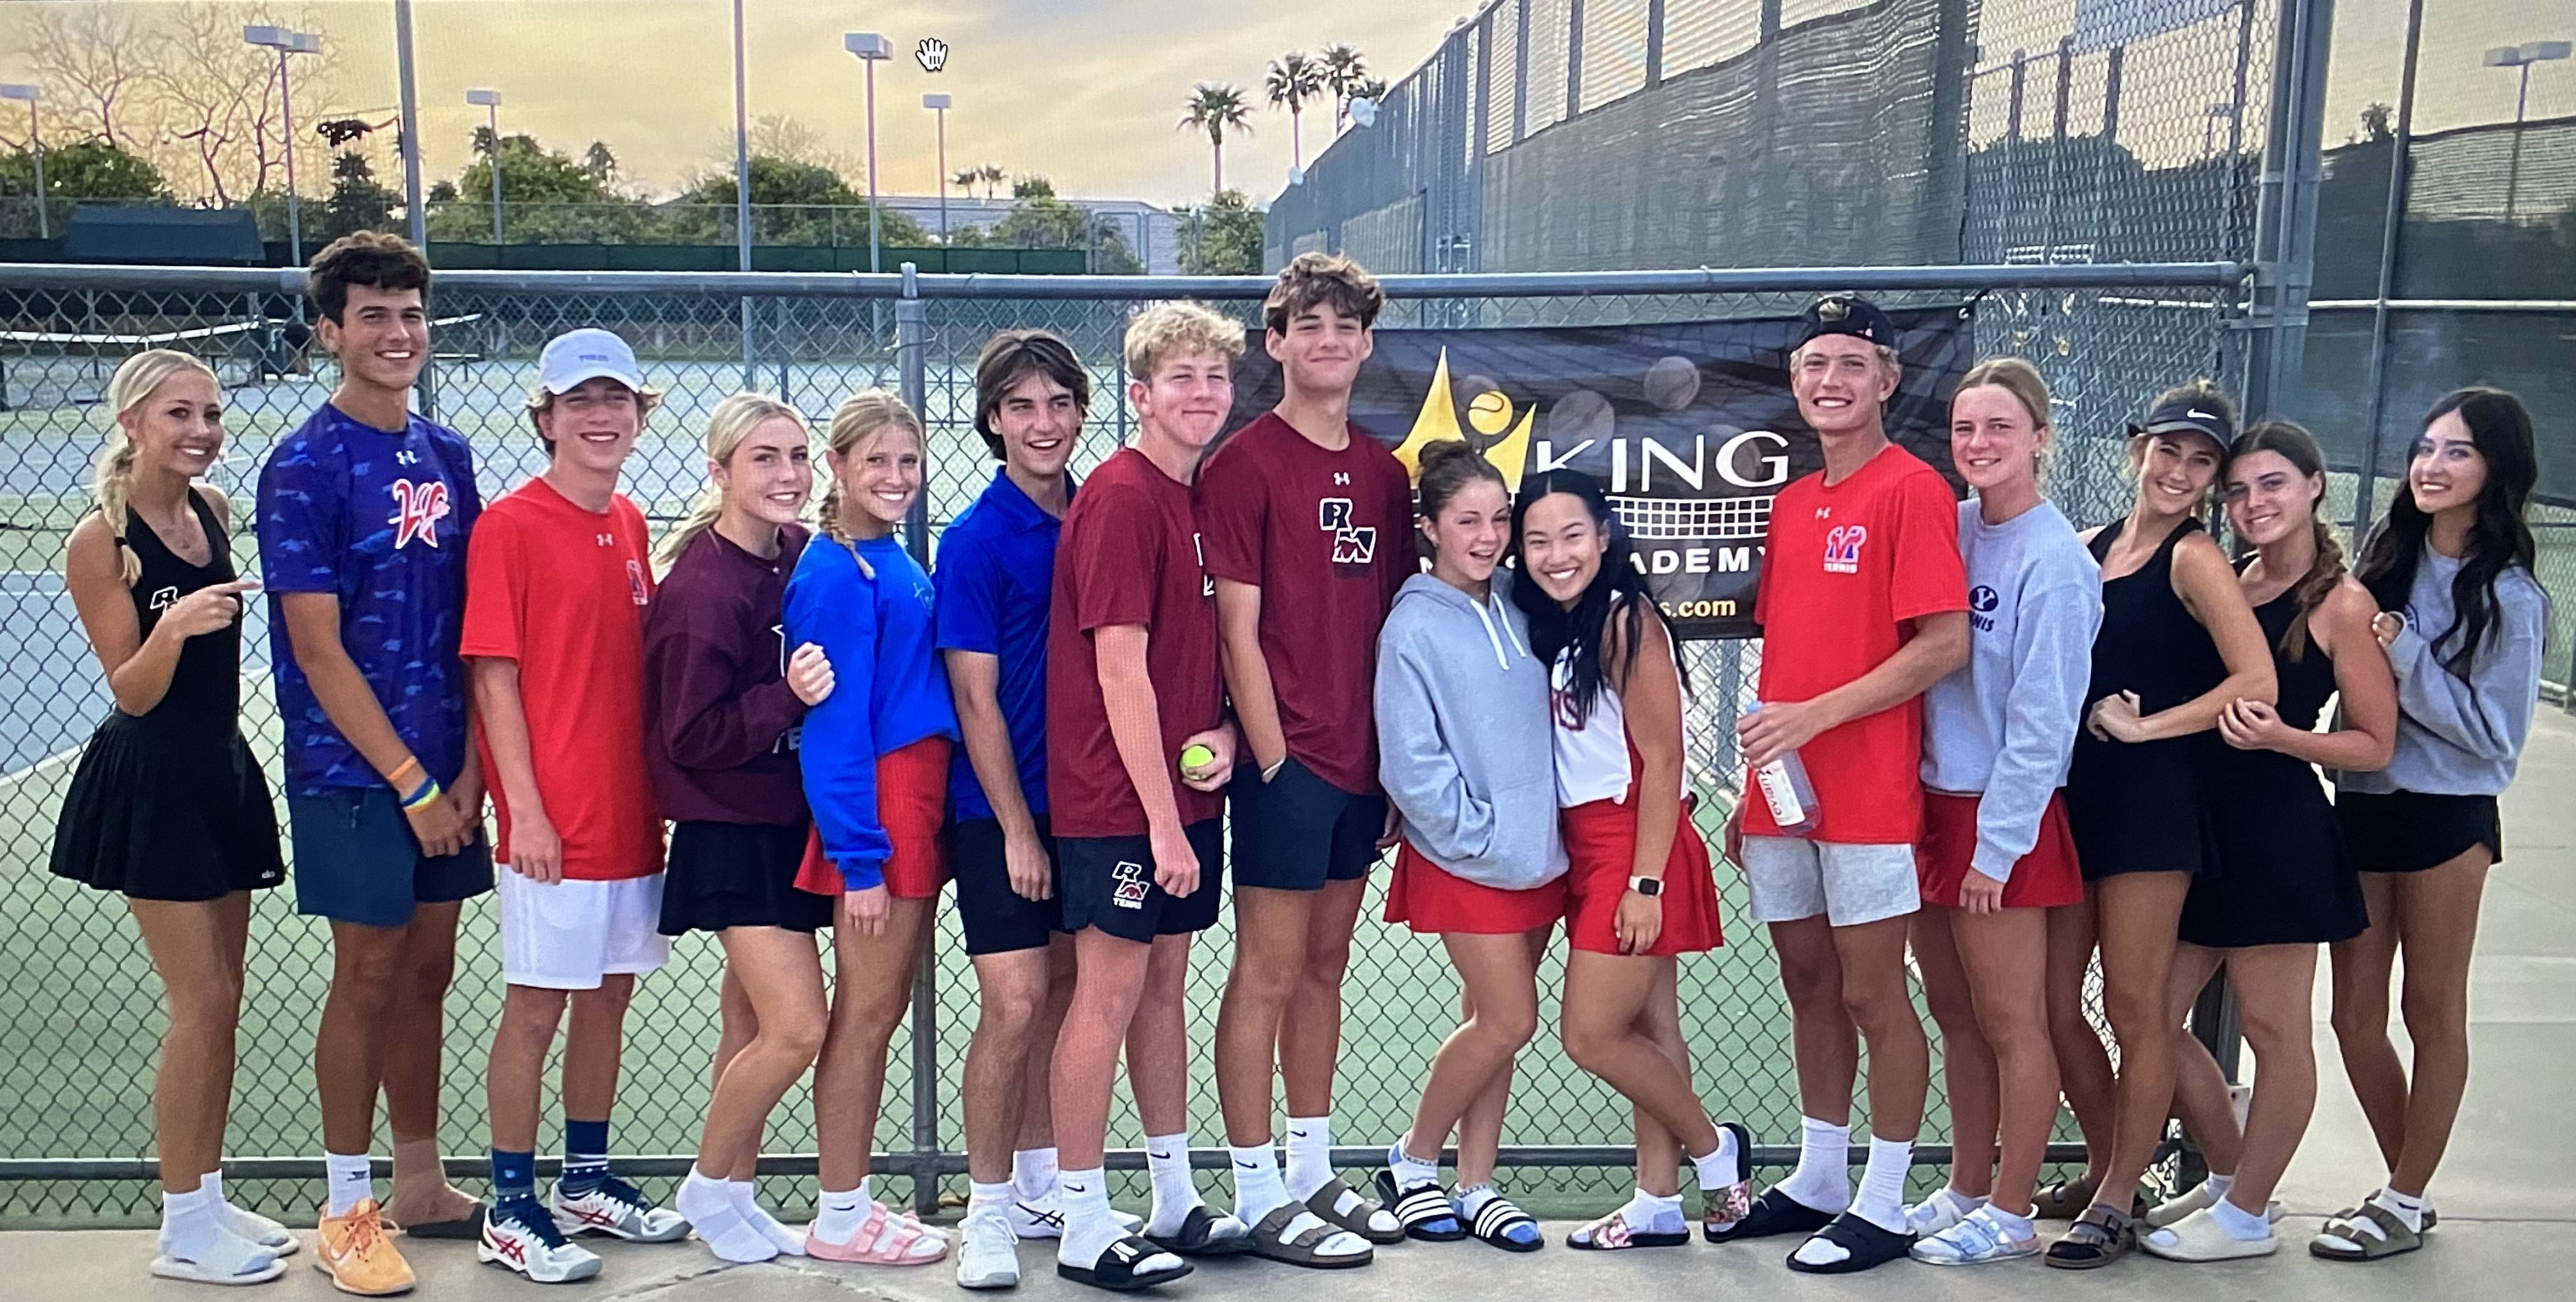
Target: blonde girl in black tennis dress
[[167, 807]]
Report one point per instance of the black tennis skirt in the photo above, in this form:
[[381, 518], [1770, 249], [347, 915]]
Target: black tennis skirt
[[737, 875], [2409, 831], [157, 812]]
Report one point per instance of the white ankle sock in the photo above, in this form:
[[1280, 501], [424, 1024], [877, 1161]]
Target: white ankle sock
[[1033, 1172], [980, 1196], [1257, 1188], [1721, 1168], [1822, 1179], [1310, 1155], [707, 1202], [746, 1202], [2018, 1228], [2219, 1185], [351, 1178], [2242, 1225], [1656, 1212], [188, 1224], [1089, 1229], [2406, 1207], [1411, 1172], [841, 1212], [1946, 1207], [213, 1184], [1882, 1184], [1472, 1199], [1167, 1164]]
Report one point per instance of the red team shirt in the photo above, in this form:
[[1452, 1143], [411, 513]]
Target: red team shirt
[[1129, 554], [564, 591], [1847, 564], [1328, 537]]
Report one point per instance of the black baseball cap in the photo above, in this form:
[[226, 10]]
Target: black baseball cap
[[1846, 314], [2190, 415]]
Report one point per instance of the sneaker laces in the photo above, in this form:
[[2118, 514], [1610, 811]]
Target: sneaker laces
[[366, 1234], [525, 1215], [992, 1222], [616, 1189]]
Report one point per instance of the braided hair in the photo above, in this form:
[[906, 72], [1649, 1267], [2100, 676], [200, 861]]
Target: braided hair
[[2292, 443]]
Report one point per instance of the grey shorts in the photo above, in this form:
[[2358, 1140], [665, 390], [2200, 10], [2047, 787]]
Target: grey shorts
[[1793, 878]]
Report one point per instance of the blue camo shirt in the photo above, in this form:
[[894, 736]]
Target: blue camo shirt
[[379, 520], [996, 581]]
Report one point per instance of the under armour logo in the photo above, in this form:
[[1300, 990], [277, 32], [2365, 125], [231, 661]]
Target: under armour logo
[[933, 54], [606, 539], [1341, 479], [406, 457]]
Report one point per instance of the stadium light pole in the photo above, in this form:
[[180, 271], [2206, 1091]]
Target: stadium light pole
[[287, 42], [871, 50], [2520, 58], [36, 140], [410, 132], [490, 102], [937, 103]]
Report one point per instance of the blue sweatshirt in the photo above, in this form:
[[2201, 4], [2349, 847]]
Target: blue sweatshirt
[[887, 689], [2456, 736]]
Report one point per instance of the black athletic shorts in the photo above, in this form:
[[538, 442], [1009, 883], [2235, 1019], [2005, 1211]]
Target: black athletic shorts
[[1108, 882], [997, 919], [1297, 831], [2409, 831]]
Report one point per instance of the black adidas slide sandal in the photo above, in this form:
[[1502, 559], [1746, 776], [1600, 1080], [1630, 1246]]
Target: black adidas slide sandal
[[1425, 1213], [1865, 1243], [1774, 1213], [1116, 1268], [1495, 1221], [1197, 1238]]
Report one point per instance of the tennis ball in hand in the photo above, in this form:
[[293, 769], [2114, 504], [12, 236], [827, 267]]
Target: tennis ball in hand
[[1195, 757]]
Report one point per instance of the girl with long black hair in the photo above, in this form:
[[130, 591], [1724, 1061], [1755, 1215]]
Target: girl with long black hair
[[2463, 621], [1638, 880]]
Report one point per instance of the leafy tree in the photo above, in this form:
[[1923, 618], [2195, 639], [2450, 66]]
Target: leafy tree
[[2374, 122], [547, 196], [794, 203], [1216, 107], [84, 169], [601, 164], [1221, 237], [1293, 79], [1032, 186], [358, 202], [1040, 220], [1345, 71]]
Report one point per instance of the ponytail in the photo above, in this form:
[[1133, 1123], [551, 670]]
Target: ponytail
[[114, 477], [728, 425], [859, 418], [2292, 443]]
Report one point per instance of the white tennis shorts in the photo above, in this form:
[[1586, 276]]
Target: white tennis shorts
[[567, 935], [1794, 878]]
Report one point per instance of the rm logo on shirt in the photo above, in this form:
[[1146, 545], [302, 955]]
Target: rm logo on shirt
[[1128, 885], [1353, 544], [1842, 548]]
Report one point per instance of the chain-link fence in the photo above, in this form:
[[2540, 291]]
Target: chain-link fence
[[76, 1145]]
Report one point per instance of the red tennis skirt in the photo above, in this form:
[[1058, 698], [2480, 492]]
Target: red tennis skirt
[[912, 802], [2045, 878], [1601, 840], [1431, 900]]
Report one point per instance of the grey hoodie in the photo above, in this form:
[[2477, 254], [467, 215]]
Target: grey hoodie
[[1464, 748]]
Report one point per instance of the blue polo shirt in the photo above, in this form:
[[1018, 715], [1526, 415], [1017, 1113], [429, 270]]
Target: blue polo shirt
[[377, 518], [996, 579]]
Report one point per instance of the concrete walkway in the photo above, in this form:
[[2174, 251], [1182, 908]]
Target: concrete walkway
[[2507, 1225]]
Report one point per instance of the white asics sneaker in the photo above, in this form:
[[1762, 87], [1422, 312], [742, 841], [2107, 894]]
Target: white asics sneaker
[[527, 1240], [1040, 1218], [988, 1255], [618, 1208]]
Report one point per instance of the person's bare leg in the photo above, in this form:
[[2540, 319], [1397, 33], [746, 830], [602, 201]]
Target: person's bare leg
[[356, 1032], [1109, 979], [2083, 1061], [595, 1047], [1824, 1044], [2200, 1099], [774, 973], [871, 992], [2275, 994], [1967, 1064], [1310, 1031], [1606, 997], [2004, 955], [515, 1077], [1659, 1152], [1158, 1039], [1498, 981], [2364, 967], [1037, 1112], [1480, 1128], [412, 1069], [2138, 914], [1875, 995], [2439, 911], [1011, 997], [201, 994], [737, 1022], [1269, 945]]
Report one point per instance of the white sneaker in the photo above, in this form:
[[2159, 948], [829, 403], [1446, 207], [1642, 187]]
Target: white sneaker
[[617, 1208], [988, 1254], [533, 1246], [1040, 1218]]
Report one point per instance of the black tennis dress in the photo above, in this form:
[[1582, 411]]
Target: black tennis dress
[[169, 804], [2289, 879], [2137, 806]]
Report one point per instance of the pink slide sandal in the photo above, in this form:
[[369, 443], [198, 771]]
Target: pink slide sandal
[[885, 1238]]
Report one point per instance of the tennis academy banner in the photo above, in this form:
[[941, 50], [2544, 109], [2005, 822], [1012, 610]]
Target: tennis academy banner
[[1691, 426]]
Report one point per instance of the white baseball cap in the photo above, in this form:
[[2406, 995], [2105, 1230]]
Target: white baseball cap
[[589, 354]]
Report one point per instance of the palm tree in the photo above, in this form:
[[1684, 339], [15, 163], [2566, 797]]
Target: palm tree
[[1214, 106], [991, 174], [966, 178], [1344, 71], [1292, 79]]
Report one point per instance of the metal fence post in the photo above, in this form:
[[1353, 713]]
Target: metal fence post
[[912, 339], [2285, 225], [2399, 176]]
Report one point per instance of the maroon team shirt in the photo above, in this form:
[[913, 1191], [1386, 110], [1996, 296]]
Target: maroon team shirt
[[723, 721], [1129, 554], [1328, 537]]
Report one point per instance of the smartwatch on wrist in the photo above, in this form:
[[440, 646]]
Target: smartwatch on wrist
[[1649, 887]]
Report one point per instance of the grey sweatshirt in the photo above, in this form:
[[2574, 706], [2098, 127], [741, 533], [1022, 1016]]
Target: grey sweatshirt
[[2003, 726], [2454, 737], [1464, 749]]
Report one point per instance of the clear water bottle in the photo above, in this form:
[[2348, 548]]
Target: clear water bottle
[[1788, 794]]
